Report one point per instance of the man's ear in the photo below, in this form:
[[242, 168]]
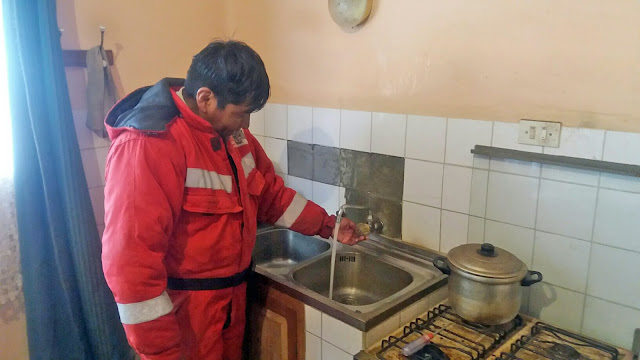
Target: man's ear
[[206, 100]]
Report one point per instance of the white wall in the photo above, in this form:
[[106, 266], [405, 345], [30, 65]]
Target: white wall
[[579, 228]]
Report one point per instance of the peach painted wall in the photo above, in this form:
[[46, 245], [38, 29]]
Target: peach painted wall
[[151, 39], [13, 339], [574, 61]]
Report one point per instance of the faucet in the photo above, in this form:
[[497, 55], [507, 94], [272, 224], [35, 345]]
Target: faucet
[[375, 226]]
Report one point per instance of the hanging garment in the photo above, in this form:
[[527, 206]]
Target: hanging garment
[[101, 90]]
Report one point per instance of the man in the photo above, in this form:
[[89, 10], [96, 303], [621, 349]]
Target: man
[[186, 183]]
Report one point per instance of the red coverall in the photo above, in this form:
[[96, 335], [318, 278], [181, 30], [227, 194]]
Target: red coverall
[[182, 203]]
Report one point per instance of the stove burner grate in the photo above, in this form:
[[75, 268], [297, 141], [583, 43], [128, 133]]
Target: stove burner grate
[[455, 335], [549, 342]]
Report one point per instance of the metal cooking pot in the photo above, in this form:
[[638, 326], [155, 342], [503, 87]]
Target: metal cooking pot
[[485, 282]]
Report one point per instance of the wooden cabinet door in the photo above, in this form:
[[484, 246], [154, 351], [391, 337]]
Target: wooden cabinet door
[[275, 325], [274, 344]]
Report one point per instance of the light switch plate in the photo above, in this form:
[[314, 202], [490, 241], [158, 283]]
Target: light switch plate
[[544, 133]]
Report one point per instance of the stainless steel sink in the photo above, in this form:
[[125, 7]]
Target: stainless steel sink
[[360, 279], [280, 248], [374, 279]]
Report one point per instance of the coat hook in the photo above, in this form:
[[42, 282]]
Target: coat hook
[[102, 29]]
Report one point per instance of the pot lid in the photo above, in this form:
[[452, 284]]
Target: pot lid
[[487, 260]]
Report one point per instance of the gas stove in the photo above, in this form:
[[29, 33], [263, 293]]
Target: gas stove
[[523, 338]]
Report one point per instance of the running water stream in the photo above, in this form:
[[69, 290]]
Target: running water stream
[[334, 249]]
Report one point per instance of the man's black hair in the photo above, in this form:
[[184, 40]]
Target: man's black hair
[[234, 73]]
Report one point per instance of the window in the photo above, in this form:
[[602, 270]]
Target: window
[[6, 145]]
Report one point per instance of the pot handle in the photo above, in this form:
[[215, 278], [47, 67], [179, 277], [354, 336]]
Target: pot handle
[[440, 262], [531, 278]]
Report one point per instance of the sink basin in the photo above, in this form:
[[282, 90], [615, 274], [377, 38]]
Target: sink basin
[[360, 279], [279, 248]]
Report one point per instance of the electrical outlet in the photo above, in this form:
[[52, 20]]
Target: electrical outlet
[[545, 133]]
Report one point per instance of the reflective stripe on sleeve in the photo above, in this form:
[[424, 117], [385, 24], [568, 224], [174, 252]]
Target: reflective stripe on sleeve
[[293, 211], [136, 313], [201, 178]]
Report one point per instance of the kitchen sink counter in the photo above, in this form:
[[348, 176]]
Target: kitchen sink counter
[[374, 279]]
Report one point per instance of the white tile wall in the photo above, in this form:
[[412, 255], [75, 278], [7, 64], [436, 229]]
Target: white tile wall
[[579, 228], [426, 137], [454, 230], [557, 306], [339, 334], [610, 322], [566, 209], [355, 130], [423, 182], [388, 133], [326, 127], [275, 121], [515, 239], [313, 347], [462, 136], [512, 199], [256, 124], [330, 352], [476, 230], [303, 186], [622, 147], [620, 182], [299, 124], [327, 196], [579, 142], [480, 162], [618, 219], [563, 261], [578, 176], [515, 167], [456, 191], [421, 225], [312, 320], [479, 186], [614, 274], [276, 150]]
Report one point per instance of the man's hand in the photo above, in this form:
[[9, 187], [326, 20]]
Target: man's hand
[[347, 233]]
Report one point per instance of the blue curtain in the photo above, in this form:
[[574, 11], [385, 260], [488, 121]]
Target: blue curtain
[[71, 313]]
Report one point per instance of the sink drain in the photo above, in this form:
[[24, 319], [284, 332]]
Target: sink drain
[[347, 300]]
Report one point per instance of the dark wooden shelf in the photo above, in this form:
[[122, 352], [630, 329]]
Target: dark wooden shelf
[[78, 58], [579, 163]]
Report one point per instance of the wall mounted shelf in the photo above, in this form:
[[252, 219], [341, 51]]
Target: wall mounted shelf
[[579, 163]]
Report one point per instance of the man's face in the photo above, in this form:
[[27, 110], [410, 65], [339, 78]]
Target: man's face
[[225, 121], [230, 119]]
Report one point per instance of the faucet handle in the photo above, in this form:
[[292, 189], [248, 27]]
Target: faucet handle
[[376, 226]]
